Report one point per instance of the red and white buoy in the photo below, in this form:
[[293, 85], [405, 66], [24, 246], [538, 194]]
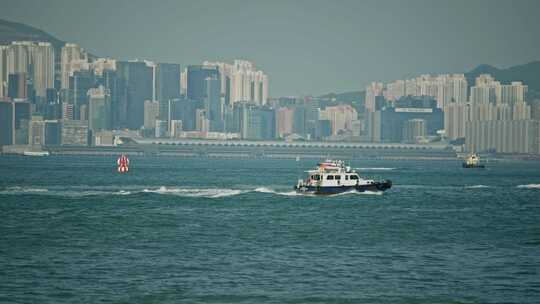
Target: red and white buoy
[[123, 164]]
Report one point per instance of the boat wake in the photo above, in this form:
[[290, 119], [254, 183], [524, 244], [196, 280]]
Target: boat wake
[[60, 192], [15, 190], [196, 192], [477, 187], [272, 191], [530, 186], [88, 191]]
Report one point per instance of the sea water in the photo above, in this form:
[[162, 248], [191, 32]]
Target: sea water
[[176, 230]]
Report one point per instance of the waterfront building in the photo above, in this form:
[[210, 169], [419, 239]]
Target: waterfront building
[[176, 128], [299, 121], [254, 122], [72, 58], [323, 129], [3, 71], [67, 111], [74, 133], [213, 104], [242, 81], [445, 88], [485, 90], [412, 129], [18, 57], [103, 139], [387, 124], [284, 121], [167, 86], [23, 111], [394, 90], [44, 132], [341, 117], [14, 121], [450, 88], [196, 80], [151, 113], [99, 110], [513, 93], [118, 96], [456, 115], [503, 136], [17, 86], [42, 68], [372, 91], [79, 84], [7, 122], [202, 123], [161, 128], [139, 81], [183, 109], [83, 112], [183, 82], [36, 134], [100, 65], [535, 109]]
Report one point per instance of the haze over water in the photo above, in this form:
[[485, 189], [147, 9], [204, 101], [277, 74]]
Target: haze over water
[[232, 231]]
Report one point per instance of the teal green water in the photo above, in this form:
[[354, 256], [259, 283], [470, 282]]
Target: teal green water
[[174, 230]]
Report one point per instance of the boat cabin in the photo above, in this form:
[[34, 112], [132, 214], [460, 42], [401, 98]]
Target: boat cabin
[[334, 174]]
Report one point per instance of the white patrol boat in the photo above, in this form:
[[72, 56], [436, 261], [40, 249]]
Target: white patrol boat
[[332, 177]]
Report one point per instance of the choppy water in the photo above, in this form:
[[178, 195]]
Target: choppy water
[[72, 230]]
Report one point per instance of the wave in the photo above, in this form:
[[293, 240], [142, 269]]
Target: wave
[[17, 189], [195, 192], [272, 191], [376, 169], [477, 187], [352, 192], [529, 186], [428, 187], [370, 193]]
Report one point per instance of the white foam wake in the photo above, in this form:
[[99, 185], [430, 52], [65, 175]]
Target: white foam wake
[[272, 191], [196, 192], [60, 192], [370, 193], [359, 193], [17, 189], [77, 191], [477, 187], [530, 186], [294, 193]]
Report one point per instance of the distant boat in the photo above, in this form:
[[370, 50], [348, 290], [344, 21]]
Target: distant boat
[[472, 161], [123, 163], [36, 153]]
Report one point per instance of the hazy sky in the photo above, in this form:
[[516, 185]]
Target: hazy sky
[[306, 47]]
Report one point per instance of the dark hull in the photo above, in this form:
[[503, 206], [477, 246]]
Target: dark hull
[[375, 187], [473, 166]]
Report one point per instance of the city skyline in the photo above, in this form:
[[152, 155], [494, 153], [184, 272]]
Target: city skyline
[[369, 37], [57, 93]]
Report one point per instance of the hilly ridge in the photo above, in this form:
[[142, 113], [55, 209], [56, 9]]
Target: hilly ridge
[[528, 73], [14, 31]]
